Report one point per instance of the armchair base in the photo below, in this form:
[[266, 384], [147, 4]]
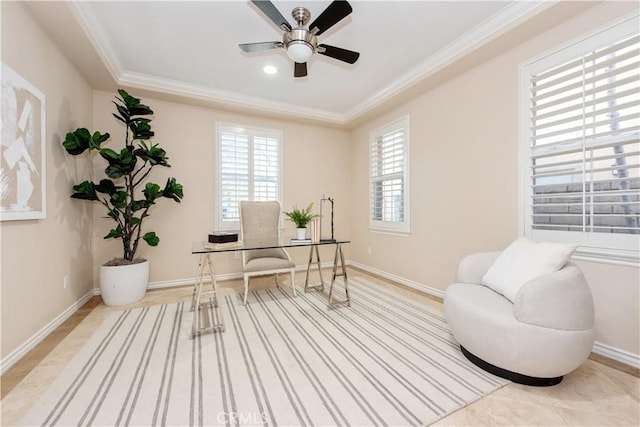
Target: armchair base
[[509, 375]]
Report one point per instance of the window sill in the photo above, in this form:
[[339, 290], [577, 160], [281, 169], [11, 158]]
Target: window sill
[[607, 256], [390, 232]]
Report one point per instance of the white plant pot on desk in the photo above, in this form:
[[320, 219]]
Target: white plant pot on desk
[[123, 284], [301, 233]]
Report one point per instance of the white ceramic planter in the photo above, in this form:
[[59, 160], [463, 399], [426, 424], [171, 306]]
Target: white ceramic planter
[[123, 284], [301, 233]]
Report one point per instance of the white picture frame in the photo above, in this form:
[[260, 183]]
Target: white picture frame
[[22, 149]]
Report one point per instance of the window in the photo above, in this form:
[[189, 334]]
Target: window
[[581, 144], [248, 168], [389, 162]]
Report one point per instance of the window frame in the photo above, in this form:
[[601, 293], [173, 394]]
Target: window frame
[[611, 248], [392, 227], [253, 131]]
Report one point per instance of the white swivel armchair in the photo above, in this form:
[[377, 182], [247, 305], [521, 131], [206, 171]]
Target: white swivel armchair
[[260, 226], [544, 332]]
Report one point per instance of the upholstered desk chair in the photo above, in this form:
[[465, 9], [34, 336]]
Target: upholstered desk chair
[[260, 226]]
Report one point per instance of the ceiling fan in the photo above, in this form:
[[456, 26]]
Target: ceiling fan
[[300, 42]]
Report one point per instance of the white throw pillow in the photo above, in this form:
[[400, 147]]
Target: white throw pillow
[[523, 261]]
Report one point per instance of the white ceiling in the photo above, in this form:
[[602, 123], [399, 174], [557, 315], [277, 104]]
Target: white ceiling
[[190, 49]]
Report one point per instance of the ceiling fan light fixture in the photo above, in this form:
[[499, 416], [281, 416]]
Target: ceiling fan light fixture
[[299, 51]]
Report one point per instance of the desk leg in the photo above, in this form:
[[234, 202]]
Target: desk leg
[[314, 248], [202, 321], [343, 273]]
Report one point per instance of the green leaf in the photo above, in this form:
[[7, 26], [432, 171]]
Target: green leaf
[[151, 238], [141, 129], [151, 191], [106, 186], [108, 154], [173, 190], [137, 205], [85, 191], [73, 145], [119, 118], [120, 164], [83, 133], [78, 141], [96, 139], [119, 199], [115, 233], [124, 113], [113, 214], [114, 171], [155, 155], [130, 101], [140, 110]]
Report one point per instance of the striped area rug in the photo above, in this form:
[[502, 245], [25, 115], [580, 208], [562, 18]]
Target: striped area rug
[[283, 361]]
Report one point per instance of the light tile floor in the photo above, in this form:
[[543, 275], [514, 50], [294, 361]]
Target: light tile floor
[[599, 393]]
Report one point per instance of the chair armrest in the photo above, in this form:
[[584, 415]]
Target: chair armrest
[[472, 267], [560, 300]]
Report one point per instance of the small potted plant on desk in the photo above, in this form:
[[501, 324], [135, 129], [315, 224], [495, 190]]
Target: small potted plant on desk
[[301, 217], [126, 194]]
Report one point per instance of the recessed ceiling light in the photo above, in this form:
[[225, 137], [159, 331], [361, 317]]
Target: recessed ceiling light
[[270, 69]]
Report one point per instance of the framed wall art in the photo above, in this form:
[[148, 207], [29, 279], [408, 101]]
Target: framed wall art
[[22, 149]]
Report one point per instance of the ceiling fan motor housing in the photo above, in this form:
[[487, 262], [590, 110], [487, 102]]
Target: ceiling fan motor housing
[[300, 35]]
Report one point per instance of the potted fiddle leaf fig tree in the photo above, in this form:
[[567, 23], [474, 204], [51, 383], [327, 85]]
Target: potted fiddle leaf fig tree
[[126, 194]]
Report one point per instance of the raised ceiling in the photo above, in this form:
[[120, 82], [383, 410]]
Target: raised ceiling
[[190, 50]]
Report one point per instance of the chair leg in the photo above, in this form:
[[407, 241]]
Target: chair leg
[[293, 283], [277, 281], [246, 288]]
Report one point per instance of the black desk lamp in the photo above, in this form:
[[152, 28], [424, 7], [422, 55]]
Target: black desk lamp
[[330, 200]]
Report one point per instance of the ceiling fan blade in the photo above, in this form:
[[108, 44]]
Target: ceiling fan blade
[[345, 55], [300, 69], [254, 47], [272, 13], [333, 14]]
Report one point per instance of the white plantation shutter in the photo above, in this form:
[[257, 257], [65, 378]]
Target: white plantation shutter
[[234, 173], [266, 168], [249, 168], [389, 184], [583, 181]]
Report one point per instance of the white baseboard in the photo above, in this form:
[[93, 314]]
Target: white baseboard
[[616, 354], [398, 279], [28, 345]]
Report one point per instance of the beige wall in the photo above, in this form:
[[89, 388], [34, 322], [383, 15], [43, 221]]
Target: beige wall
[[315, 162], [464, 195], [37, 254]]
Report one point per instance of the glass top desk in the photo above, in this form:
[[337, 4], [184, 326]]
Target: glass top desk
[[205, 267]]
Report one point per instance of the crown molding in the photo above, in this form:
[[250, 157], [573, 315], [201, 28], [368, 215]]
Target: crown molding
[[222, 98], [490, 29], [495, 26], [92, 28]]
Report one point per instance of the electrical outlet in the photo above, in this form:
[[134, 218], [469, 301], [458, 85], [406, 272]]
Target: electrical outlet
[[66, 282], [236, 255], [369, 250]]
